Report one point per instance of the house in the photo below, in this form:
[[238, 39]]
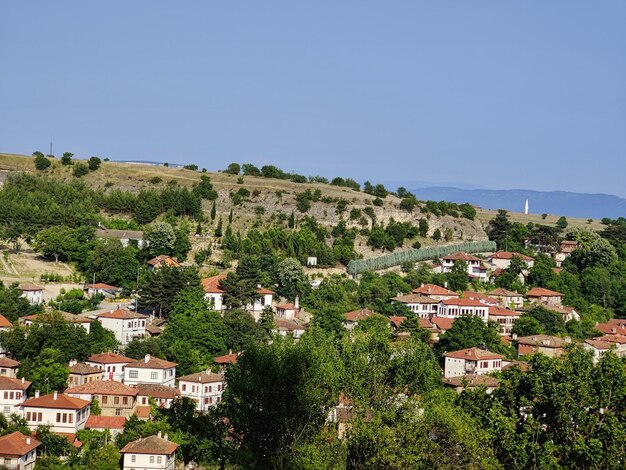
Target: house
[[565, 249], [114, 398], [32, 292], [214, 294], [436, 292], [205, 388], [473, 264], [507, 298], [18, 452], [162, 394], [502, 259], [12, 393], [455, 308], [5, 325], [81, 373], [288, 311], [150, 370], [568, 313], [472, 361], [124, 324], [230, 358], [113, 424], [49, 317], [8, 367], [505, 319], [551, 346], [396, 321], [602, 344], [124, 236], [112, 365], [613, 326], [151, 452], [294, 328], [155, 327], [63, 413], [442, 324], [99, 288], [463, 382], [482, 298], [422, 305], [545, 296], [163, 260], [351, 319]]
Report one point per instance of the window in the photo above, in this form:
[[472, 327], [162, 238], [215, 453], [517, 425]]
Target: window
[[58, 417], [153, 375], [105, 399], [159, 459], [133, 374], [116, 400], [28, 416], [125, 400], [184, 387], [7, 410], [118, 412], [152, 459], [71, 418], [39, 417], [133, 458]]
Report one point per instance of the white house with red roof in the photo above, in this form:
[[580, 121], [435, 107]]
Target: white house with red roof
[[288, 311], [124, 324], [455, 308], [163, 260], [502, 259], [114, 398], [474, 361], [18, 451], [351, 319], [112, 365], [436, 292], [63, 413], [545, 296], [113, 424], [12, 394], [422, 305], [482, 298], [150, 370], [474, 265], [152, 452], [48, 317], [214, 294], [161, 394], [101, 289], [8, 367], [205, 388], [5, 325], [32, 292], [505, 319]]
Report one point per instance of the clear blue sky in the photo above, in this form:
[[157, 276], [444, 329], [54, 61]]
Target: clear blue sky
[[503, 94]]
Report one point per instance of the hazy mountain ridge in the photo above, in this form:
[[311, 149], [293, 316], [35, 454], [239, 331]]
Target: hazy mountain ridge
[[564, 203]]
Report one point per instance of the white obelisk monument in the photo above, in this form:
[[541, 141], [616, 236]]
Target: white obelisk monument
[[526, 207]]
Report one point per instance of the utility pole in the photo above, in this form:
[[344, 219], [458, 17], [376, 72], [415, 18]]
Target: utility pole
[[50, 146]]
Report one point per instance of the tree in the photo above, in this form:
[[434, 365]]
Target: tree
[[42, 163], [458, 278], [469, 331], [218, 229], [238, 292], [527, 326], [66, 159], [161, 239], [113, 264], [561, 223], [48, 373], [267, 322], [159, 287], [437, 235], [233, 169], [80, 169], [250, 170], [551, 323], [307, 377], [593, 249], [94, 163], [499, 228], [291, 279], [241, 330], [423, 228], [213, 211]]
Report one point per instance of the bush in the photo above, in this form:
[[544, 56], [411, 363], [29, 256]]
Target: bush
[[80, 169], [156, 180], [41, 162], [94, 163], [66, 159], [233, 169], [192, 167], [378, 202]]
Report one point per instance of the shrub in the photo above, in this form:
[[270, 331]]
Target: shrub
[[80, 169], [41, 162], [94, 163]]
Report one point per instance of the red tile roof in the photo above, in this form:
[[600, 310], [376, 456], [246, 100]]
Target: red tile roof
[[471, 381], [105, 422], [157, 391], [99, 285], [211, 285], [9, 383], [544, 341], [287, 307], [17, 444], [425, 323], [150, 445], [541, 292], [432, 289], [464, 303], [415, 299], [460, 257], [396, 321], [62, 401], [509, 255], [29, 287], [503, 312], [122, 314], [164, 259], [358, 314], [599, 343], [203, 377], [443, 324], [81, 368], [227, 359], [110, 358], [151, 362], [480, 297], [289, 325], [102, 387], [143, 411], [8, 362], [4, 323], [501, 292], [474, 354]]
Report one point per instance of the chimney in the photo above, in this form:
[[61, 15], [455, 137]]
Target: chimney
[[159, 434], [147, 358], [514, 336], [73, 362], [445, 284], [23, 380], [28, 441], [165, 437], [56, 394], [296, 302], [422, 285], [36, 393]]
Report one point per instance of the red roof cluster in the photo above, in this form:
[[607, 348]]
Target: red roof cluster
[[509, 255], [17, 444], [433, 289], [474, 354], [460, 257]]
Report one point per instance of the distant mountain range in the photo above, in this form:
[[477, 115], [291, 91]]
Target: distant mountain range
[[559, 203]]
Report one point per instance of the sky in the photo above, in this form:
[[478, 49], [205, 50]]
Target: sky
[[498, 94]]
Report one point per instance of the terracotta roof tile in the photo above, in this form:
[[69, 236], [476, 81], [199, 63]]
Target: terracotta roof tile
[[150, 445], [17, 444], [151, 362], [396, 321], [433, 289], [110, 358], [202, 377], [443, 324], [62, 401], [157, 391], [471, 381], [541, 292], [105, 422], [8, 362], [415, 299], [102, 387], [501, 292], [4, 323], [509, 255], [464, 303], [460, 257], [9, 383], [164, 259], [81, 368], [474, 354], [226, 359], [542, 340], [29, 287], [211, 285], [122, 314]]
